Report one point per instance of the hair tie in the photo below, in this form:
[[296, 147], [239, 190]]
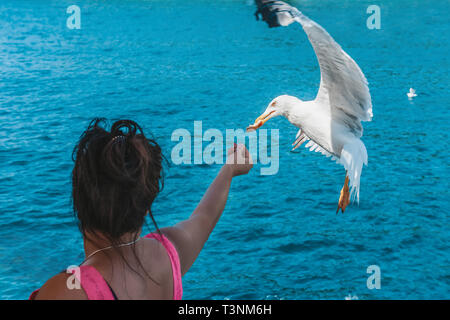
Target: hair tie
[[118, 139]]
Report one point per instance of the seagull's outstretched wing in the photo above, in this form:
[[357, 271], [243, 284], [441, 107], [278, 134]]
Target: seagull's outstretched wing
[[343, 86]]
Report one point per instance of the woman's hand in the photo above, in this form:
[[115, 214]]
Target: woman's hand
[[239, 160]]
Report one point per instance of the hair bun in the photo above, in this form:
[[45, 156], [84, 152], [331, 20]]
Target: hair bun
[[127, 128]]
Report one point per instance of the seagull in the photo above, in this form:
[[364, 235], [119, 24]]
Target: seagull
[[412, 93], [331, 123]]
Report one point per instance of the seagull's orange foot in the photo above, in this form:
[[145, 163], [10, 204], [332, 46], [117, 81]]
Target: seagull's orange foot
[[344, 198]]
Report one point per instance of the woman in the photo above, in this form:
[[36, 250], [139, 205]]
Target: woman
[[116, 177]]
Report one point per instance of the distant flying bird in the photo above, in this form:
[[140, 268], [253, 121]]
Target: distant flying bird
[[412, 93], [331, 122]]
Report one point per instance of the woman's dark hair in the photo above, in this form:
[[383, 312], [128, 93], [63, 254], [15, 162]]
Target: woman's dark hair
[[116, 177]]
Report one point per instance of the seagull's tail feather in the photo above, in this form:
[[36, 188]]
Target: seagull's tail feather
[[353, 156]]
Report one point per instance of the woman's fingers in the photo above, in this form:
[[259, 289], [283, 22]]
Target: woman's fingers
[[247, 156], [240, 160], [232, 149], [244, 155]]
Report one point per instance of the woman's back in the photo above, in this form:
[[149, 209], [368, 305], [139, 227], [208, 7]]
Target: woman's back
[[151, 272], [133, 283]]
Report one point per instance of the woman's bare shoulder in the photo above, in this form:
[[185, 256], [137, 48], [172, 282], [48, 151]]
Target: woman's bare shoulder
[[157, 258], [57, 288]]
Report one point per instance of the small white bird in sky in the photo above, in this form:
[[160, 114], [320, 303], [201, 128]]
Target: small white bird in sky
[[412, 93], [331, 122]]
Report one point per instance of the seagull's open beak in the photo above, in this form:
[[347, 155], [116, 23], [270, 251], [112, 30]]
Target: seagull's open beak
[[270, 113]]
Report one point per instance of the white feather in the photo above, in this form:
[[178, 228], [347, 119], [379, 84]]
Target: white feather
[[353, 156]]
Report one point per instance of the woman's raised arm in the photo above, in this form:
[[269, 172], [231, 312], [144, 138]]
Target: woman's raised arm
[[189, 236]]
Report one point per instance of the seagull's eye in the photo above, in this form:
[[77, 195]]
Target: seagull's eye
[[273, 104]]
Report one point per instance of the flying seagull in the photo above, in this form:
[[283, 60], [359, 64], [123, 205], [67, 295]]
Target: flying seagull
[[332, 121]]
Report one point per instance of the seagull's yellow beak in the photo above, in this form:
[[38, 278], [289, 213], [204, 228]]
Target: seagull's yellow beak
[[261, 120]]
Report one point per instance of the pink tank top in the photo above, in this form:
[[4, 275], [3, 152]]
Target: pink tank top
[[97, 288]]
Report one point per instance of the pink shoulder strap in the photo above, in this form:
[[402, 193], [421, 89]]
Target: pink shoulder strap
[[94, 285], [174, 260]]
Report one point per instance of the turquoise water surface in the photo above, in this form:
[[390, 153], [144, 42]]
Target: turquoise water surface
[[167, 64]]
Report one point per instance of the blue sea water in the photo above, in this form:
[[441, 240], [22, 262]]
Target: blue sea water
[[166, 64]]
